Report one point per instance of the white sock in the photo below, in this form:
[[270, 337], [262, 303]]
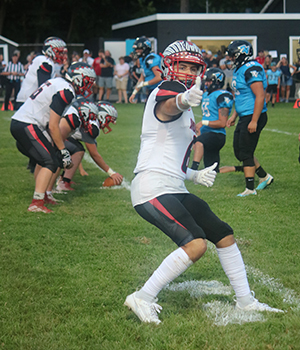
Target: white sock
[[49, 193], [233, 265], [173, 266], [39, 196]]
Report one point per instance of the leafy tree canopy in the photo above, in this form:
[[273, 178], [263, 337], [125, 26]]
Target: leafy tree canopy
[[77, 21]]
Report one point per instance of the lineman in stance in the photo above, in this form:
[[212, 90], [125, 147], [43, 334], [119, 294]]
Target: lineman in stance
[[35, 126]]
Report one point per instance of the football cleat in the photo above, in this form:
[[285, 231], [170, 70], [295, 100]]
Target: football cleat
[[37, 206], [146, 312], [49, 199], [256, 306], [63, 186], [264, 183], [246, 193]]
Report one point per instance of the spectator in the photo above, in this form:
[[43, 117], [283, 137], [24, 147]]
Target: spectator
[[97, 69], [273, 78], [121, 73], [107, 65], [226, 65], [286, 78], [136, 72], [261, 57], [296, 78], [2, 78], [267, 63], [209, 58], [87, 58], [13, 71], [29, 60], [129, 59], [75, 57]]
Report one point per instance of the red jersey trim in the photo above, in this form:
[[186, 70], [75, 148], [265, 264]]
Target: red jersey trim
[[62, 95]]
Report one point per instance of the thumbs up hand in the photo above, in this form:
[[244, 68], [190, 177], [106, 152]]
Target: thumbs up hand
[[193, 96]]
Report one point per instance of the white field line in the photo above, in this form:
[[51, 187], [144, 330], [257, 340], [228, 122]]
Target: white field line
[[266, 129], [223, 313]]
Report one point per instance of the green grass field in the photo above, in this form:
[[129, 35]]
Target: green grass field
[[64, 276]]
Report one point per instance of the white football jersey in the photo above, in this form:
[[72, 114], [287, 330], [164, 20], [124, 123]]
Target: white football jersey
[[165, 146], [30, 82], [56, 94], [164, 152]]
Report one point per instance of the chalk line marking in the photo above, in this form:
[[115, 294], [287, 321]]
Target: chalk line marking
[[223, 313]]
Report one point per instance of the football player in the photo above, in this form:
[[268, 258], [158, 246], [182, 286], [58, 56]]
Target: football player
[[158, 190], [150, 64], [42, 67], [104, 113], [249, 83], [35, 126], [216, 106]]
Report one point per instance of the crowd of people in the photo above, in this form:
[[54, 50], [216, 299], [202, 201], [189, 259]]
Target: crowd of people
[[57, 115], [131, 85]]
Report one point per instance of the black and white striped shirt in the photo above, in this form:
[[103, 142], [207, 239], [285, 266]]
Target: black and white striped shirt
[[14, 67]]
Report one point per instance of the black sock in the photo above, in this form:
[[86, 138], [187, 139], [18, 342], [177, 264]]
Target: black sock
[[65, 179], [239, 168], [250, 183], [260, 172], [195, 165]]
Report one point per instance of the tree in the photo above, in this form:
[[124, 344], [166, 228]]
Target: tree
[[184, 6]]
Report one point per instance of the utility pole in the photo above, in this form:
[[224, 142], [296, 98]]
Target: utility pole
[[184, 6]]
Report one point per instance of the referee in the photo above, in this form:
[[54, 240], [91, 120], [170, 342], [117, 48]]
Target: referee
[[13, 71]]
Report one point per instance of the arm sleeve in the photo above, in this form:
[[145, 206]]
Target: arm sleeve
[[169, 89], [225, 100], [253, 74], [44, 73], [61, 100], [73, 121]]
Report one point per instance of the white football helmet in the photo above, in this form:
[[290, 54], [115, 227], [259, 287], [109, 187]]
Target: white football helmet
[[56, 49], [182, 51], [107, 114], [87, 111], [82, 77]]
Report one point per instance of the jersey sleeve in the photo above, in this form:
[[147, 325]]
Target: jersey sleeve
[[225, 100], [253, 74], [44, 73], [61, 100], [73, 120], [91, 135], [169, 89], [152, 60]]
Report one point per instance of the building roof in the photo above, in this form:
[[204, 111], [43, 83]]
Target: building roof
[[8, 41], [207, 17]]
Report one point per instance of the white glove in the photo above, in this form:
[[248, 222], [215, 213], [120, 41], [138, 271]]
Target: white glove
[[66, 158], [204, 177], [193, 96], [141, 84]]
